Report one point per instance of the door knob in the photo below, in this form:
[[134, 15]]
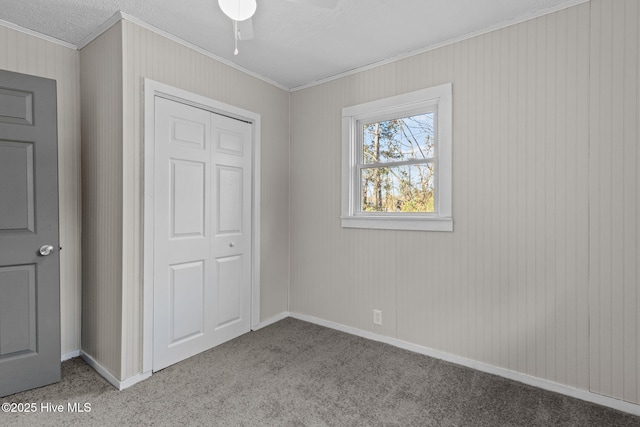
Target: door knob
[[231, 244], [46, 250]]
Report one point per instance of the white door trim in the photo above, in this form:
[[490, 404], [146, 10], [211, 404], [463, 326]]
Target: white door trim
[[151, 90]]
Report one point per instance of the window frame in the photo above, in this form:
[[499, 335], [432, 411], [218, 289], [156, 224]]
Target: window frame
[[438, 99]]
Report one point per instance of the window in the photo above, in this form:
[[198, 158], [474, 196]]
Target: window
[[396, 166]]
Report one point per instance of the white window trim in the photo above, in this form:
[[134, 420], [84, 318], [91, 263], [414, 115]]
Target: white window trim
[[420, 100]]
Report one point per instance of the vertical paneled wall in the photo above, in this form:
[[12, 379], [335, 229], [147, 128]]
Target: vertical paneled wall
[[149, 55], [102, 188], [509, 286], [27, 54], [614, 183]]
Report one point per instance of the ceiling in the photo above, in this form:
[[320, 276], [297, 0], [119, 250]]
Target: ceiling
[[295, 44]]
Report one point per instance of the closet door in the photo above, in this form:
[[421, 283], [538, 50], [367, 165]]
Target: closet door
[[202, 236]]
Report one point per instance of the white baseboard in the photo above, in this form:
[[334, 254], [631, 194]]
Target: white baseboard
[[271, 320], [480, 366], [448, 357], [107, 375], [69, 355], [134, 380]]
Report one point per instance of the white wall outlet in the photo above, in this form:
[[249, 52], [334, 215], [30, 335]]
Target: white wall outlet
[[377, 317]]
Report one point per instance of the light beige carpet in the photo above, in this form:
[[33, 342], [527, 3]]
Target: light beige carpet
[[294, 373]]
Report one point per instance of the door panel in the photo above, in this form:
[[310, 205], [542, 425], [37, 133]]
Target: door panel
[[229, 208], [187, 198], [29, 281], [18, 310], [202, 295], [189, 133], [229, 290], [230, 142], [16, 192], [16, 107], [187, 296]]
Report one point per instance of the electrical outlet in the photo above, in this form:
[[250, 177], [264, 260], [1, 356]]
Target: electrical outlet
[[377, 317]]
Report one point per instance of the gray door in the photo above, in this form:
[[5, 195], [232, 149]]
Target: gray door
[[29, 255]]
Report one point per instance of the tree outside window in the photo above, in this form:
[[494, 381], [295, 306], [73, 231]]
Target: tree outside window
[[398, 168], [397, 162]]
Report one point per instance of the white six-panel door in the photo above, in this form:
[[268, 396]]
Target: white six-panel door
[[202, 235]]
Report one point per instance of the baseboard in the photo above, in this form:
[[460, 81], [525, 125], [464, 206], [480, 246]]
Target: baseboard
[[480, 366], [69, 355], [121, 385], [107, 375], [271, 320], [134, 380]]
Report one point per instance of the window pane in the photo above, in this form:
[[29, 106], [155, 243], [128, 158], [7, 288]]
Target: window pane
[[408, 188], [399, 139]]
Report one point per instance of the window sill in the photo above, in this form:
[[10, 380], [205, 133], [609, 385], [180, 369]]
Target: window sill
[[395, 223]]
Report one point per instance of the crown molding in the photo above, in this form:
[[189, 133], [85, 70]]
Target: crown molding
[[102, 28], [119, 16], [36, 34], [200, 50], [397, 58]]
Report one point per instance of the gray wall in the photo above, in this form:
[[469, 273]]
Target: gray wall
[[542, 230], [102, 199], [614, 199]]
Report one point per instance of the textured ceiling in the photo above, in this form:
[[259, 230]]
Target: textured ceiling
[[295, 44]]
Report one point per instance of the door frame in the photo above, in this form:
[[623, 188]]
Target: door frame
[[151, 90]]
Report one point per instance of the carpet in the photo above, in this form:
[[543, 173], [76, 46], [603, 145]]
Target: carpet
[[294, 373]]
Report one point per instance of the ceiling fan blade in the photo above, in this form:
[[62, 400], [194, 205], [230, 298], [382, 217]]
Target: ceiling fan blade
[[245, 29], [326, 4]]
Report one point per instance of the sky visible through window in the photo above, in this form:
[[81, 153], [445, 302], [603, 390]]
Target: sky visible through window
[[398, 165]]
